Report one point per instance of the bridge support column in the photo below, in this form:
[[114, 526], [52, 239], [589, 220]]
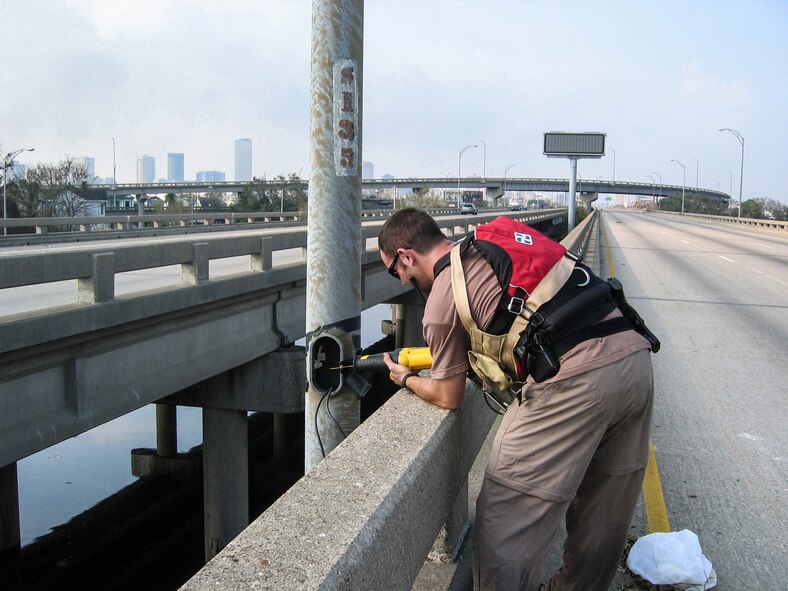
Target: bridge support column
[[588, 199], [166, 430], [225, 477], [10, 536], [408, 321]]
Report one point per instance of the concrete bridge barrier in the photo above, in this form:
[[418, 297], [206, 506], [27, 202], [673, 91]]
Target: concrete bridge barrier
[[366, 517]]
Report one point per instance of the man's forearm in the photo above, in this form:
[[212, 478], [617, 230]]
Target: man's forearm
[[446, 392]]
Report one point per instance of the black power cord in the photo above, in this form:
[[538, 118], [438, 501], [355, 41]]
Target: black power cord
[[326, 395]]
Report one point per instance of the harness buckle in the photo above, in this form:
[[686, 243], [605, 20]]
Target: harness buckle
[[516, 305]]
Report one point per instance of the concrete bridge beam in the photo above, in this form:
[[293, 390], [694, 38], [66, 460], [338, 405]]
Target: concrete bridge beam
[[493, 193], [588, 199]]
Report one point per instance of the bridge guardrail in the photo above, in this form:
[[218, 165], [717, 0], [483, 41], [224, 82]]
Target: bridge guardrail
[[79, 229], [781, 225]]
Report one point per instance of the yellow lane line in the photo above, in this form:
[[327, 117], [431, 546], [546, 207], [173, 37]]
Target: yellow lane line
[[654, 500]]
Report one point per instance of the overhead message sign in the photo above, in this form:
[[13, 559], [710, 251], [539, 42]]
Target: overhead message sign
[[560, 144]]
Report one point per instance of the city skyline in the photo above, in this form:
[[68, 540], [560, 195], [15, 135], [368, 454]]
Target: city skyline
[[660, 80]]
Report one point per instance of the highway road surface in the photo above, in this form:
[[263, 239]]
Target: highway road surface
[[717, 297]]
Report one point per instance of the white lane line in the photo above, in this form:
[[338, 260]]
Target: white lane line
[[726, 258], [778, 280], [761, 245], [684, 241]]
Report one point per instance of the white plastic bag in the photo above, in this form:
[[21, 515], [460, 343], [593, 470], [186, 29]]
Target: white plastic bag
[[670, 559]]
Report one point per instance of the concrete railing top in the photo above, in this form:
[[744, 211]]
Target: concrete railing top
[[367, 515]]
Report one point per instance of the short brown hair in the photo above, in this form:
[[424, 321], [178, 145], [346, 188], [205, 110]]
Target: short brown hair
[[409, 228]]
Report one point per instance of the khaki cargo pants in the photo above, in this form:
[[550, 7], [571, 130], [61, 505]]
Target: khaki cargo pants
[[576, 448]]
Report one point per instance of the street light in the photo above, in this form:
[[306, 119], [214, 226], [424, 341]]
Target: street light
[[484, 164], [8, 162], [683, 183], [504, 178], [459, 172], [739, 137], [660, 187], [697, 167], [614, 164], [653, 181]]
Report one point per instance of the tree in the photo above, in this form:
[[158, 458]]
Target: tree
[[296, 198], [52, 190], [693, 203], [256, 196], [751, 208], [424, 198]]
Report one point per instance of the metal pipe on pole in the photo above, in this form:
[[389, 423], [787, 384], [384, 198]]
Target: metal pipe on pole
[[739, 137], [697, 169], [659, 197], [683, 182], [572, 197], [333, 265], [504, 178], [614, 163], [484, 165], [459, 174]]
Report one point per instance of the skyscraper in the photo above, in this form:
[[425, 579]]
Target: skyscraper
[[89, 164], [146, 169], [210, 176], [175, 166], [367, 170], [243, 159]]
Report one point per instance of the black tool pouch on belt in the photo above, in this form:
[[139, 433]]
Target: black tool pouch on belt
[[540, 361]]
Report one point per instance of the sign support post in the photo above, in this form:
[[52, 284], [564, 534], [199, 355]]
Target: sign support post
[[560, 144]]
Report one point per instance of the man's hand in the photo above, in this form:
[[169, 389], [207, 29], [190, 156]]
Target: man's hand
[[396, 371], [445, 393]]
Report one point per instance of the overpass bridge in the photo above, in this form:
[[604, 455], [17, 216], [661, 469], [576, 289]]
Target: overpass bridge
[[493, 187], [213, 340]]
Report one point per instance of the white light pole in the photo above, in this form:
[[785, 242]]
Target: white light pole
[[660, 187], [8, 162], [459, 172], [614, 164], [697, 168], [484, 161], [739, 137], [683, 182], [114, 169], [653, 182], [504, 178]]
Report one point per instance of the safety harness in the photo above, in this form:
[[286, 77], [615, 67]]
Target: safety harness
[[550, 302]]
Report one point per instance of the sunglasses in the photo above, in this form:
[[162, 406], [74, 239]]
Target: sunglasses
[[392, 271]]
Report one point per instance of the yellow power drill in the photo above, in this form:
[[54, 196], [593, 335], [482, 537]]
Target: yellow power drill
[[415, 358]]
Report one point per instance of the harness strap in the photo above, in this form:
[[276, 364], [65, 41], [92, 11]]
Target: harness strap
[[460, 291], [592, 331], [551, 283]]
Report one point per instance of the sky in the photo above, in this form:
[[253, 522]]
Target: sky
[[658, 77]]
